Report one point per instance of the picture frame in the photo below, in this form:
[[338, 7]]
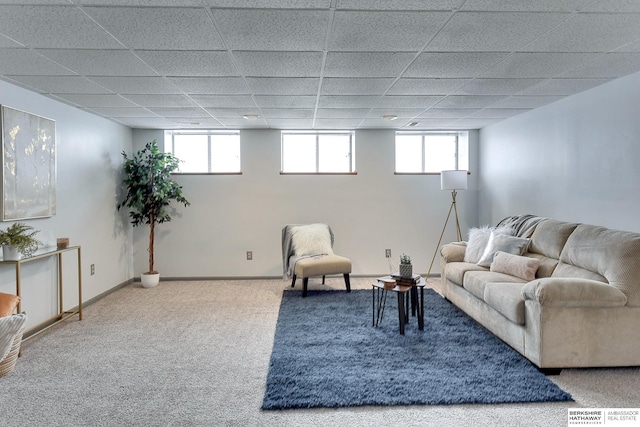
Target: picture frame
[[28, 165]]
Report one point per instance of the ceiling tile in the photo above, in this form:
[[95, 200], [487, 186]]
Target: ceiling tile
[[384, 31], [235, 113], [427, 123], [471, 123], [123, 112], [454, 113], [283, 85], [289, 113], [526, 5], [563, 87], [94, 62], [140, 2], [400, 101], [525, 101], [96, 100], [493, 32], [292, 101], [137, 85], [264, 29], [279, 64], [354, 86], [469, 101], [496, 86], [453, 65], [189, 63], [337, 123], [224, 101], [399, 4], [589, 33], [148, 122], [180, 112], [266, 4], [28, 62], [211, 85], [290, 123], [366, 64], [60, 84], [347, 101], [53, 27], [609, 65], [382, 123], [498, 113], [411, 86], [531, 65], [7, 42], [400, 112], [162, 100], [240, 123], [341, 113], [612, 6], [181, 28]]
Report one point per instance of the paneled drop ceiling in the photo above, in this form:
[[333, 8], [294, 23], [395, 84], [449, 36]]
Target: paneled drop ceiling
[[315, 64]]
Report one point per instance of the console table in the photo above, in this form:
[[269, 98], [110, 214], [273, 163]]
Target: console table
[[62, 315]]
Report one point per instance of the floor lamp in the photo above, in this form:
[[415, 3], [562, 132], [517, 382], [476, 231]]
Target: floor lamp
[[451, 180]]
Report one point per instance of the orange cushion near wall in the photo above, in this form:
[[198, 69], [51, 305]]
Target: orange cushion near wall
[[8, 303]]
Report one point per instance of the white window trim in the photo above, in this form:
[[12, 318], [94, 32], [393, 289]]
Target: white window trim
[[423, 134], [209, 133], [352, 162]]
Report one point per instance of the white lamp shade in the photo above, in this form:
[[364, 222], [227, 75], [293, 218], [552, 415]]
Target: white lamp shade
[[453, 180]]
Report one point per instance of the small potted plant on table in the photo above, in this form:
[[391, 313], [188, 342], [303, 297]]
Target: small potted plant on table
[[18, 240], [406, 269]]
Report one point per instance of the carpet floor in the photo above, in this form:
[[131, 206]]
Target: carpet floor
[[196, 353], [328, 354]]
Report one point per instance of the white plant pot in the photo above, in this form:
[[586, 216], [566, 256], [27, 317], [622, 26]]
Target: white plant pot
[[10, 253], [406, 270], [149, 280]]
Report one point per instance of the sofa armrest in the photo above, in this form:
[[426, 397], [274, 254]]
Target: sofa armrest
[[453, 252], [573, 292]]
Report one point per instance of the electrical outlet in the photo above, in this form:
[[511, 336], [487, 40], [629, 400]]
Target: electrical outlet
[[249, 255], [93, 269], [387, 253]]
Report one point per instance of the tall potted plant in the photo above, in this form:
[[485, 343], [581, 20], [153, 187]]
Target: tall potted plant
[[150, 191]]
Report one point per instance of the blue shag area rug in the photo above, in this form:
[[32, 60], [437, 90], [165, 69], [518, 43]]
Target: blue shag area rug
[[326, 353]]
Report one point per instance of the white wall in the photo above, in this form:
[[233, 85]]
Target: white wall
[[574, 160], [369, 212], [88, 165]]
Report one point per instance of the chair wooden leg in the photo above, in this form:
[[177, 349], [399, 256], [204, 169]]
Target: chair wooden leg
[[347, 282], [305, 282], [293, 282], [323, 279]]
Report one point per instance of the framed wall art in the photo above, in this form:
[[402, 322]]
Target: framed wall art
[[28, 165]]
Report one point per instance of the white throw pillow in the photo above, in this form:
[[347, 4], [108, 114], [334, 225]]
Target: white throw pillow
[[478, 239], [514, 265], [502, 242], [312, 239]]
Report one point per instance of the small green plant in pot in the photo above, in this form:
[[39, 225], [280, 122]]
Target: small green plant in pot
[[150, 191], [18, 239], [406, 269]]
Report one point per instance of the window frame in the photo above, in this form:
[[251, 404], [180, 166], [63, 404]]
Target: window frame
[[318, 134], [169, 137], [423, 135]]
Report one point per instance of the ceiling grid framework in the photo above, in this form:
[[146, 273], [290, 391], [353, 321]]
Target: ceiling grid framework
[[315, 64]]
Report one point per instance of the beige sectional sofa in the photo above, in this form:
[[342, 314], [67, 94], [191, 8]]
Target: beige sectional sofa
[[580, 309]]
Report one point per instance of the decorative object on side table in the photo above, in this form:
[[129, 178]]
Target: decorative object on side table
[[62, 242], [18, 239], [406, 269], [150, 191]]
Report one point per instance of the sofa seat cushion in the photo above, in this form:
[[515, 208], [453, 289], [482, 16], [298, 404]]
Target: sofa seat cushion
[[506, 299], [573, 292], [475, 281], [455, 271]]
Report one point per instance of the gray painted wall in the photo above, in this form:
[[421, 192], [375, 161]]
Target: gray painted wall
[[88, 162], [574, 160], [369, 212]]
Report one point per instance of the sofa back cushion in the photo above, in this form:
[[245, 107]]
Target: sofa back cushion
[[611, 254], [550, 236]]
